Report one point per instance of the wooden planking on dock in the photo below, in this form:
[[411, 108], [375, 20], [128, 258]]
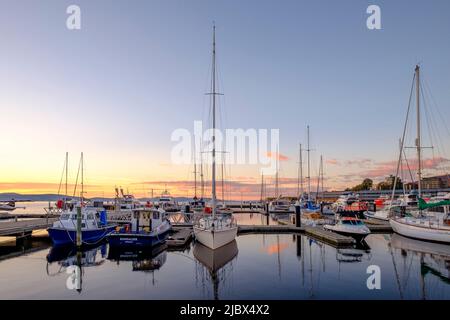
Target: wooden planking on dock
[[329, 237], [12, 216], [246, 229], [179, 237], [17, 228]]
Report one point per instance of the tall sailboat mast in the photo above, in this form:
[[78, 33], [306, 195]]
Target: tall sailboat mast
[[195, 173], [214, 198], [202, 181], [418, 142], [300, 172], [309, 165], [262, 187], [82, 179], [321, 173], [223, 188], [276, 175], [67, 169]]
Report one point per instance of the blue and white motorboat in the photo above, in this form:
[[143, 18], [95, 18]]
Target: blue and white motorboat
[[94, 226], [149, 227]]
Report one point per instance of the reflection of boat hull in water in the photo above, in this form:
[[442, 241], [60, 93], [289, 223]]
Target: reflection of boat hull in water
[[146, 260], [418, 229], [436, 256], [68, 256], [214, 260]]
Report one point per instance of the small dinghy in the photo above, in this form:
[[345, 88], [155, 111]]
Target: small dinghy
[[349, 226], [148, 227]]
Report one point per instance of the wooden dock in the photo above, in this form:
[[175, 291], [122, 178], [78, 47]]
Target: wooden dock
[[333, 238], [180, 237], [377, 226], [12, 216], [249, 229], [24, 227], [318, 233]]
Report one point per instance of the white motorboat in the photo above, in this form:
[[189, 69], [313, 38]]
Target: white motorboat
[[215, 230], [280, 206], [349, 226], [168, 203], [8, 206], [344, 201]]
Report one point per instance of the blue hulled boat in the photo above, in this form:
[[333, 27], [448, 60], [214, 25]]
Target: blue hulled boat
[[94, 227], [148, 228]]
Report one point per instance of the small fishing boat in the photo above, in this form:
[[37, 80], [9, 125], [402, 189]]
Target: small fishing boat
[[9, 206], [349, 226], [94, 226], [148, 227]]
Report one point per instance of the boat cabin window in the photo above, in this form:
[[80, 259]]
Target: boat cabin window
[[155, 215], [73, 217], [65, 216], [90, 216]]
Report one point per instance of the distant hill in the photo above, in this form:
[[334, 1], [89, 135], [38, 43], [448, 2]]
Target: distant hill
[[55, 197]]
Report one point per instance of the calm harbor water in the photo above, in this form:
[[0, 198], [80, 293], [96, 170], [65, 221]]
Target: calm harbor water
[[253, 267]]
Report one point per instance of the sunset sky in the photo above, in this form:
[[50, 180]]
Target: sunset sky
[[137, 71]]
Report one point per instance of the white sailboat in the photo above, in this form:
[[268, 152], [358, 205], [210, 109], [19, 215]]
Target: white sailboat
[[432, 226], [215, 230]]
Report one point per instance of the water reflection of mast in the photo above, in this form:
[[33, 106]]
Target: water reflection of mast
[[397, 277], [278, 256], [215, 263], [311, 271]]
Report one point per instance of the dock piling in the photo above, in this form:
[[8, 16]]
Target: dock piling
[[298, 221]]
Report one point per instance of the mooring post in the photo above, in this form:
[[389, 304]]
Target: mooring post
[[298, 221], [79, 240]]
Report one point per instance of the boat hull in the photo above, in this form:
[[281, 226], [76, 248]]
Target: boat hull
[[136, 240], [61, 236], [376, 215], [422, 233], [217, 238], [358, 236]]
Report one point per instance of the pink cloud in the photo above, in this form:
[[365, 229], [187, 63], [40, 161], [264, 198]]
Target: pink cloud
[[332, 162], [274, 155]]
